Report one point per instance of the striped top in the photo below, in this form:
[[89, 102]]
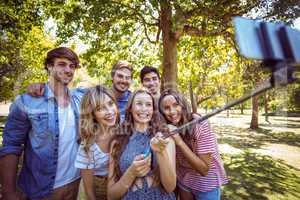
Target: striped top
[[203, 142], [97, 160]]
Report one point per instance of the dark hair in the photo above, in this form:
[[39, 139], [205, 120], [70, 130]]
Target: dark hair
[[119, 65], [186, 112], [61, 52], [147, 70]]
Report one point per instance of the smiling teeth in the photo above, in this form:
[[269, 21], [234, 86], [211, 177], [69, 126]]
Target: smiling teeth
[[143, 115], [110, 118]]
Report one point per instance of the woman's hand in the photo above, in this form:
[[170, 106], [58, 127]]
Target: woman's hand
[[140, 166], [177, 138], [158, 144]]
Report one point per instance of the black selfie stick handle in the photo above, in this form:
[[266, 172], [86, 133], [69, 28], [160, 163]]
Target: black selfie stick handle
[[282, 74]]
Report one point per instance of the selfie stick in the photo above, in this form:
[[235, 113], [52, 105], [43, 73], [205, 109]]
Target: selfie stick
[[277, 54]]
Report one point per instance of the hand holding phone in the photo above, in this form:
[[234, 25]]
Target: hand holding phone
[[147, 152]]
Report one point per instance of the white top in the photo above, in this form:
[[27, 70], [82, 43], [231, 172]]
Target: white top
[[67, 148], [95, 159]]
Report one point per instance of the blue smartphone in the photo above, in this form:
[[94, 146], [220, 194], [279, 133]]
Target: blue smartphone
[[147, 152]]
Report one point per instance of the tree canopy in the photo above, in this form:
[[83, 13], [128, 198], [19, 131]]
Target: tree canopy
[[23, 42], [189, 40], [115, 27]]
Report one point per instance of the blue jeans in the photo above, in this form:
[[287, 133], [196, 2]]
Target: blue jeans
[[214, 194]]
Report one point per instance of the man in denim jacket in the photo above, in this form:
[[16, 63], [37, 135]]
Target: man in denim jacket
[[45, 130]]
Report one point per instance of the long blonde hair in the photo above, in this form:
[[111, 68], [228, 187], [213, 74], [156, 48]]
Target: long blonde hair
[[88, 126]]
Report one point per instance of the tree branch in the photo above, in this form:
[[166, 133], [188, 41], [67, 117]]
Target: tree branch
[[201, 100], [193, 31], [232, 41], [147, 36], [154, 18], [158, 34], [137, 14]]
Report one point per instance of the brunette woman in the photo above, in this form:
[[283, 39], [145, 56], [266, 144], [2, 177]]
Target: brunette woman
[[199, 167], [131, 174]]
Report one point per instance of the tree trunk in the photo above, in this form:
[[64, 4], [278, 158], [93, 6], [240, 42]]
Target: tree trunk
[[227, 111], [254, 119], [266, 107], [169, 74], [242, 108], [192, 97]]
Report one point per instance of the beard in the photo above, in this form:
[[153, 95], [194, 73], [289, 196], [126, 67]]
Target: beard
[[59, 79], [118, 89]]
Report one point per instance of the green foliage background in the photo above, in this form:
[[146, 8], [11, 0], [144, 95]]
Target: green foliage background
[[131, 30]]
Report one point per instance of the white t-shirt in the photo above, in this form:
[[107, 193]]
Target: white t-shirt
[[95, 159], [67, 148]]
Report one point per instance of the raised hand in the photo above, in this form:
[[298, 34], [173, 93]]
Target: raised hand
[[176, 137], [158, 144], [36, 89]]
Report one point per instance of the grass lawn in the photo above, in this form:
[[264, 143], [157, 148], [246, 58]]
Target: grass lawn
[[262, 164]]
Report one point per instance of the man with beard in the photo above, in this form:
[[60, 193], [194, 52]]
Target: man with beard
[[45, 130], [121, 74]]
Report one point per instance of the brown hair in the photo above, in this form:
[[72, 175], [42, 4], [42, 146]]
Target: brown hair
[[61, 52], [126, 130], [186, 112], [119, 65], [90, 102]]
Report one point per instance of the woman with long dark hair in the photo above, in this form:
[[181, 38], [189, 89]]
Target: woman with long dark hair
[[200, 171], [131, 174], [99, 118]]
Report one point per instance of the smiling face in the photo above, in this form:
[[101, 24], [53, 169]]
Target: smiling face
[[142, 108], [106, 113], [122, 79], [152, 83], [62, 70], [171, 109]]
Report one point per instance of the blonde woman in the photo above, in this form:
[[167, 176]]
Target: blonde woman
[[99, 116]]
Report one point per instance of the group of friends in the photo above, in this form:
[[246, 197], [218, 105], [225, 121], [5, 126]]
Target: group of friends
[[114, 140]]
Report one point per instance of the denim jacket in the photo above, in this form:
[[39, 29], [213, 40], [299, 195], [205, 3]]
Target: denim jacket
[[32, 127]]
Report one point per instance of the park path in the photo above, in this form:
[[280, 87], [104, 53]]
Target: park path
[[4, 109], [279, 139]]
